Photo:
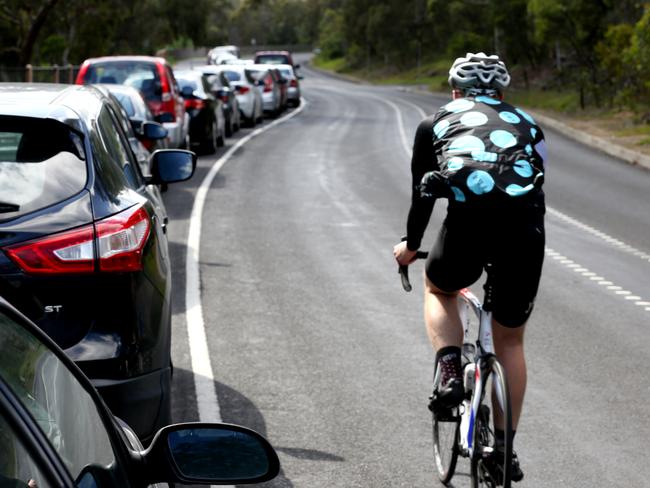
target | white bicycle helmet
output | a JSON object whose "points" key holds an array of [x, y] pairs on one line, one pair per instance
{"points": [[479, 71]]}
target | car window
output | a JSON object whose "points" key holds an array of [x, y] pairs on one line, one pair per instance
{"points": [[126, 102], [118, 147], [194, 82], [17, 466], [42, 162], [60, 405], [272, 59], [142, 75], [232, 75]]}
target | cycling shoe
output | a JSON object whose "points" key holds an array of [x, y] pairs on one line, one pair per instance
{"points": [[451, 395], [494, 463]]}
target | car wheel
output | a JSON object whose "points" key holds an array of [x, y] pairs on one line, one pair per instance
{"points": [[229, 126], [210, 145], [221, 139]]}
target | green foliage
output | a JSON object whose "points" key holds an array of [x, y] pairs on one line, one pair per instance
{"points": [[330, 35]]}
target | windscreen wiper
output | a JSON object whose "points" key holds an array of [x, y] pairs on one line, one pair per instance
{"points": [[8, 207]]}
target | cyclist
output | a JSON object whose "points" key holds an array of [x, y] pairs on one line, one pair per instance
{"points": [[488, 156]]}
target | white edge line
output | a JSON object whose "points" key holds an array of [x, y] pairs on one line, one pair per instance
{"points": [[206, 393]]}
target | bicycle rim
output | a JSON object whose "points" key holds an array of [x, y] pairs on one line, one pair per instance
{"points": [[445, 443], [488, 471]]}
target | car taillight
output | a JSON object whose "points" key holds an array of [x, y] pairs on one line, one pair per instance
{"points": [[67, 252], [194, 103], [224, 98], [268, 85], [118, 241], [243, 90], [293, 84]]}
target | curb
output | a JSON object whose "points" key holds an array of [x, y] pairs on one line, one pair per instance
{"points": [[603, 145], [619, 152]]}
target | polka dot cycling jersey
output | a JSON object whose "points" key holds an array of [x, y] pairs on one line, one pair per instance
{"points": [[483, 146]]}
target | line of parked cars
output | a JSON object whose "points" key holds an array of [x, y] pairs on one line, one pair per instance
{"points": [[84, 256]]}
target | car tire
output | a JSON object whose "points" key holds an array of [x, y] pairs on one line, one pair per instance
{"points": [[221, 139], [229, 130], [210, 145]]}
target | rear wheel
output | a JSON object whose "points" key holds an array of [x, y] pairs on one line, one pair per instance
{"points": [[445, 443], [490, 468]]}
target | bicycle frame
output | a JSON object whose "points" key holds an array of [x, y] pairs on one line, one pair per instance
{"points": [[484, 349]]}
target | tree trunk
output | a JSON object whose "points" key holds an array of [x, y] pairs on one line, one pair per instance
{"points": [[27, 49]]}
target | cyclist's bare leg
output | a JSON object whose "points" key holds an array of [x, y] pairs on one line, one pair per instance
{"points": [[441, 317], [509, 346]]}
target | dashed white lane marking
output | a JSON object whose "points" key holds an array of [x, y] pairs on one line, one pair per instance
{"points": [[608, 285], [601, 235], [550, 252], [206, 392]]}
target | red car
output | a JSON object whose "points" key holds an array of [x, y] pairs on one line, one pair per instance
{"points": [[275, 57], [154, 77]]}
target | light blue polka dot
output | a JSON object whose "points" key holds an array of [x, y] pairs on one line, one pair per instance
{"points": [[488, 100], [509, 117], [454, 164], [523, 168], [458, 194], [466, 144], [460, 105], [525, 115], [485, 156], [529, 149], [440, 129], [480, 182], [533, 132], [516, 190], [503, 138], [473, 119]]}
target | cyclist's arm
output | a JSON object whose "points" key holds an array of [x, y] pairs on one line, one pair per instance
{"points": [[424, 160]]}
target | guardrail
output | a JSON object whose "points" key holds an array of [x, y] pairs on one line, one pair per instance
{"points": [[43, 74]]}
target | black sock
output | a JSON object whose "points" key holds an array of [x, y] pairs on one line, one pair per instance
{"points": [[448, 360], [500, 438]]}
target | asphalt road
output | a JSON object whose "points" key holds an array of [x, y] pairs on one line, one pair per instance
{"points": [[314, 344]]}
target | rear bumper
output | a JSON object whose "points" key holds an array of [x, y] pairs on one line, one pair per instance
{"points": [[143, 402]]}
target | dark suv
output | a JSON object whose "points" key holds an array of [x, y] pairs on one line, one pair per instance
{"points": [[83, 249]]}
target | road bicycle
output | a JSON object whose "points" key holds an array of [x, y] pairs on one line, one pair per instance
{"points": [[465, 430]]}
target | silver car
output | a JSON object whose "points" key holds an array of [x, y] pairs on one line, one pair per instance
{"points": [[293, 86], [268, 88], [249, 98]]}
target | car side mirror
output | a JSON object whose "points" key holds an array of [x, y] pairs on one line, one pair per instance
{"points": [[296, 66], [187, 92], [171, 166], [152, 130], [209, 454]]}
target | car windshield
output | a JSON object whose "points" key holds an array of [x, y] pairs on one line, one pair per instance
{"points": [[126, 102], [42, 162], [272, 59], [138, 74], [287, 73], [190, 81], [232, 75]]}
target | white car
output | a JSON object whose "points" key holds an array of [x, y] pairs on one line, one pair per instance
{"points": [[268, 86], [293, 86], [249, 97]]}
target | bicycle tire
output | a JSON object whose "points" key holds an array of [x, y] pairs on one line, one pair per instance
{"points": [[487, 474], [446, 433]]}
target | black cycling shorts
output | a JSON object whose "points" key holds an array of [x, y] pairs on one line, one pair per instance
{"points": [[511, 239]]}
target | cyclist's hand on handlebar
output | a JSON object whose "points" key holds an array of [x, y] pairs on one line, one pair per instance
{"points": [[403, 254]]}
